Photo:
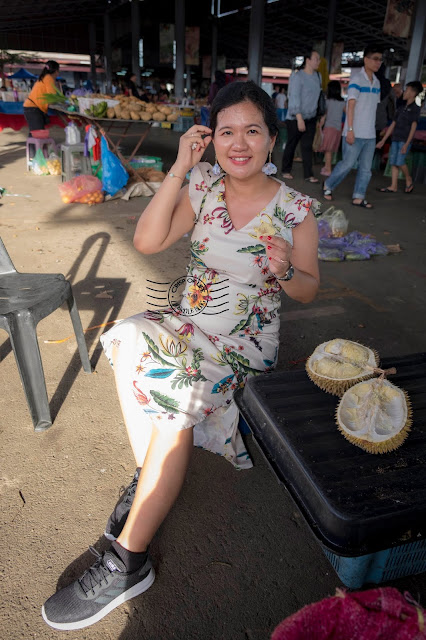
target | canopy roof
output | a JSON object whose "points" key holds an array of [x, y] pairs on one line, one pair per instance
{"points": [[23, 74], [291, 26]]}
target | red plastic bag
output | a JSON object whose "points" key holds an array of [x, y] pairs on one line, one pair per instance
{"points": [[84, 189]]}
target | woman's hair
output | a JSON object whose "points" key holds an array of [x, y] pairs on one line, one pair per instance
{"points": [[238, 92], [50, 67], [334, 90], [307, 57]]}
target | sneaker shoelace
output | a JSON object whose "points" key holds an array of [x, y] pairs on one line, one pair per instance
{"points": [[94, 576]]}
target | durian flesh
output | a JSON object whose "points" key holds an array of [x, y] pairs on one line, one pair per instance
{"points": [[374, 415], [338, 364]]}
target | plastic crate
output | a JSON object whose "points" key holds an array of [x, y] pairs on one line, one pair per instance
{"points": [[183, 123], [398, 562], [147, 162]]}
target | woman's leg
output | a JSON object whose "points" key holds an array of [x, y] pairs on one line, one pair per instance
{"points": [[293, 137], [159, 485], [306, 147], [327, 161]]}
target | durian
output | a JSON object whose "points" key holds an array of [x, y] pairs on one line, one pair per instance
{"points": [[338, 364], [375, 415]]}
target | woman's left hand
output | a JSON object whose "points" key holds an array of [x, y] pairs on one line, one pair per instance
{"points": [[278, 252]]}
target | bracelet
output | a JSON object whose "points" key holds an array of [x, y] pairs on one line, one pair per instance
{"points": [[173, 175]]}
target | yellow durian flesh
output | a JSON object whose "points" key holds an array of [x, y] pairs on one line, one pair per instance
{"points": [[338, 364], [265, 229], [374, 415]]}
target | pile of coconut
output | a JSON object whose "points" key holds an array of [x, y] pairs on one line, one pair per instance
{"points": [[131, 108]]}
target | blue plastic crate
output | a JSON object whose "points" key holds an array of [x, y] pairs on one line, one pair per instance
{"points": [[183, 123], [397, 562]]}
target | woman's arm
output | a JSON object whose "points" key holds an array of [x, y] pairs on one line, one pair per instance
{"points": [[303, 256], [169, 215]]}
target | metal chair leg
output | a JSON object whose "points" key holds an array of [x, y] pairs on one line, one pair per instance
{"points": [[79, 333], [24, 342]]}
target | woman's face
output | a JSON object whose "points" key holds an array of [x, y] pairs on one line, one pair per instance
{"points": [[242, 140]]}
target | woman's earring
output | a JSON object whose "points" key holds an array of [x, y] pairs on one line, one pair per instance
{"points": [[216, 169], [269, 168]]}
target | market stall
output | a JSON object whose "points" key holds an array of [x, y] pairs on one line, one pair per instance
{"points": [[12, 117]]}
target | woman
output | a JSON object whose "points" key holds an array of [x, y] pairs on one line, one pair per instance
{"points": [[332, 123], [281, 104], [176, 370], [303, 93], [35, 108], [131, 85]]}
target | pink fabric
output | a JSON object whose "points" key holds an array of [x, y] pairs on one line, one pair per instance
{"points": [[331, 139], [377, 614]]}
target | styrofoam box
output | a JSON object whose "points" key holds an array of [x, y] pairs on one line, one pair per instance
{"points": [[85, 103]]}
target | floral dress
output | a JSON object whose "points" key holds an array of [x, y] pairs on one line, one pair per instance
{"points": [[182, 364]]}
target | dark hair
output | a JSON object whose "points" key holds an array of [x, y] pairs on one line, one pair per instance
{"points": [[416, 85], [334, 90], [308, 56], [372, 48], [249, 91], [50, 67]]}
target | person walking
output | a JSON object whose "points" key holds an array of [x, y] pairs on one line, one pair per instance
{"points": [[332, 122], [281, 104], [303, 93], [402, 131], [359, 132], [35, 107], [177, 369]]}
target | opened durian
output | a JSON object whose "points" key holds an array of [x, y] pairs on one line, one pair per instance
{"points": [[338, 364], [375, 415]]}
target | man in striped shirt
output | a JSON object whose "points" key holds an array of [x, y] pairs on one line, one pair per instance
{"points": [[359, 132]]}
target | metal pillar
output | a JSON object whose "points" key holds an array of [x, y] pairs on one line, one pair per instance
{"points": [[214, 45], [188, 79], [255, 53], [107, 52], [92, 48], [180, 47], [417, 46], [332, 6], [136, 34]]}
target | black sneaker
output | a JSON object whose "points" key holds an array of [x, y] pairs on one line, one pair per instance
{"points": [[118, 517], [101, 589]]}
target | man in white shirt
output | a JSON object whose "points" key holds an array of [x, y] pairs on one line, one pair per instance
{"points": [[359, 133]]}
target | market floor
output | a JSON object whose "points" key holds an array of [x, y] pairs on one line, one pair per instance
{"points": [[234, 557]]}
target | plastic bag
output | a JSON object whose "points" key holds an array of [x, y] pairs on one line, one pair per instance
{"points": [[39, 164], [114, 175], [54, 165], [72, 134], [336, 220], [83, 189]]}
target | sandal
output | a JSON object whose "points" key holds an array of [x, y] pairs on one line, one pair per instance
{"points": [[364, 204], [327, 193], [312, 180], [386, 190], [287, 176], [409, 188]]}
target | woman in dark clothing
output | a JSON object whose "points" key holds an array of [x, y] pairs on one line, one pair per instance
{"points": [[131, 85]]}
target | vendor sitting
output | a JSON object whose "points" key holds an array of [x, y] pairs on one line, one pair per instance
{"points": [[35, 107]]}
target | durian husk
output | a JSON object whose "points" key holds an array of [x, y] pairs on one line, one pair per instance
{"points": [[369, 405], [357, 363]]}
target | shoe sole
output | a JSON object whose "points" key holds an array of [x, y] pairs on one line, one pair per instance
{"points": [[109, 536], [134, 591]]}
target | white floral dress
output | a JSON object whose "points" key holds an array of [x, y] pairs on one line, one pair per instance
{"points": [[182, 364]]}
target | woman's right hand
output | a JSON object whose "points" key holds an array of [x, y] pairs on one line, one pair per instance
{"points": [[191, 148]]}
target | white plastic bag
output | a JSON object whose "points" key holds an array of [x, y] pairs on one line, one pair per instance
{"points": [[336, 220]]}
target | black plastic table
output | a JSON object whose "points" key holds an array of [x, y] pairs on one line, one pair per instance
{"points": [[355, 502]]}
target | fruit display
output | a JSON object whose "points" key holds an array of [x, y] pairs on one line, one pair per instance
{"points": [[337, 365], [131, 108], [375, 415], [96, 197], [99, 110]]}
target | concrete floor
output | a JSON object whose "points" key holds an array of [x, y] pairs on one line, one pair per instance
{"points": [[234, 557]]}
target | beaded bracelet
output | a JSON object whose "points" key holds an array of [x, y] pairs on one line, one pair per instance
{"points": [[173, 175]]}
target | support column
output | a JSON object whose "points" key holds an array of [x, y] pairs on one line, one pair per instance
{"points": [[180, 47], [188, 79], [255, 53], [107, 52], [332, 6], [214, 44], [92, 50], [136, 34], [417, 46]]}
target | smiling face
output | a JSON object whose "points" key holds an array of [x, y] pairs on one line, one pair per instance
{"points": [[242, 141]]}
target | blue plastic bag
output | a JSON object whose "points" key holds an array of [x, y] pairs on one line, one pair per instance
{"points": [[114, 175]]}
